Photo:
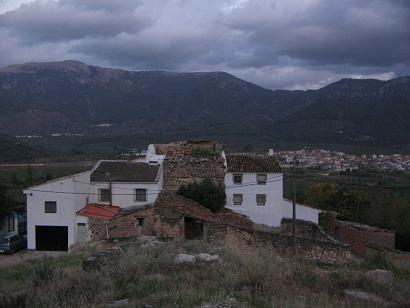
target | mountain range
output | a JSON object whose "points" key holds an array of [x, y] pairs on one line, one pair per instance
{"points": [[70, 96]]}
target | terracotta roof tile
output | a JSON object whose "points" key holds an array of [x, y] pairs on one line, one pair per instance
{"points": [[252, 163], [100, 211]]}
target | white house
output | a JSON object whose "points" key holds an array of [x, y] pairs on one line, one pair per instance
{"points": [[58, 210], [254, 187]]}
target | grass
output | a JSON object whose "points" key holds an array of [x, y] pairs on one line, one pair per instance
{"points": [[147, 275]]}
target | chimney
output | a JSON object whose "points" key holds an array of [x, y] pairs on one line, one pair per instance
{"points": [[270, 152]]}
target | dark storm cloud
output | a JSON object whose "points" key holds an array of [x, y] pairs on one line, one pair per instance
{"points": [[275, 43]]}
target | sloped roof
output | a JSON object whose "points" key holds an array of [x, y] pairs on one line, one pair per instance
{"points": [[100, 211], [189, 208], [125, 171], [252, 163]]}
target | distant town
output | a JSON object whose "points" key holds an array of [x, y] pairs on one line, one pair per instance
{"points": [[332, 161]]}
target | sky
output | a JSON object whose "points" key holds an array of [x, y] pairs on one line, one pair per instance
{"points": [[286, 44]]}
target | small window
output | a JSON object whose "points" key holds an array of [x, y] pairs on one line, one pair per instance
{"points": [[50, 207], [104, 194], [140, 222], [140, 194], [260, 199], [237, 199], [261, 178], [237, 178]]}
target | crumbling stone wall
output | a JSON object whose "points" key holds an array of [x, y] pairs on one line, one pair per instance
{"points": [[304, 228], [184, 164], [312, 249]]}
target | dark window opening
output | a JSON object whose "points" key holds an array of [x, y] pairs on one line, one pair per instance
{"points": [[237, 178], [140, 222], [194, 229], [104, 195], [50, 207], [140, 194]]}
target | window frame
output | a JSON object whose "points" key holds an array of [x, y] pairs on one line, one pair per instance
{"points": [[261, 182], [260, 203], [49, 203], [145, 195], [237, 175], [100, 195], [233, 199]]}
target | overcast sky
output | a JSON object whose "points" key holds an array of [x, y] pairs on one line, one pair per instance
{"points": [[292, 44]]}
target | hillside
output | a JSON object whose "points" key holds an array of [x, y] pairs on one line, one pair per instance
{"points": [[70, 96], [143, 273]]}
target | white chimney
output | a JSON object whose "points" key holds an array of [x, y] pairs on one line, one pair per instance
{"points": [[270, 152]]}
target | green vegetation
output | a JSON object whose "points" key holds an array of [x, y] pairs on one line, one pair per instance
{"points": [[205, 193], [378, 198], [204, 152], [147, 275]]}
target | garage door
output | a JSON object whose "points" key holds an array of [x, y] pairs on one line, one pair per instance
{"points": [[52, 238]]}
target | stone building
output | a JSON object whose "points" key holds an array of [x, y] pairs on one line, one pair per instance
{"points": [[171, 216]]}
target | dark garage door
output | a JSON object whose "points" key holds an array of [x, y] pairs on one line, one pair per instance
{"points": [[51, 238]]}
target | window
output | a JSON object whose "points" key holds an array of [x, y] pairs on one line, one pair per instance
{"points": [[50, 207], [237, 199], [140, 222], [261, 178], [104, 194], [140, 194], [237, 178], [260, 199]]}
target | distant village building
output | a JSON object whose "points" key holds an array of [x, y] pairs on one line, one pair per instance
{"points": [[120, 198]]}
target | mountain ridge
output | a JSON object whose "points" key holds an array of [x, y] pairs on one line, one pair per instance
{"points": [[72, 96]]}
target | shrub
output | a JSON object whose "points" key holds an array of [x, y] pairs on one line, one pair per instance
{"points": [[205, 193]]}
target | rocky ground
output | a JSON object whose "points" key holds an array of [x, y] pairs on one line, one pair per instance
{"points": [[150, 272]]}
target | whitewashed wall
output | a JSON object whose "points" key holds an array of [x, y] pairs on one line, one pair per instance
{"points": [[123, 194], [67, 205], [271, 213], [302, 212]]}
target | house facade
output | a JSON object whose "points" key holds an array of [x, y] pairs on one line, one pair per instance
{"points": [[58, 211], [254, 187]]}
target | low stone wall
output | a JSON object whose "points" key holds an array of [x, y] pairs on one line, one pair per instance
{"points": [[316, 250], [304, 228]]}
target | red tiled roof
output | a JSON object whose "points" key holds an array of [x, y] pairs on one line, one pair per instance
{"points": [[100, 211], [252, 163]]}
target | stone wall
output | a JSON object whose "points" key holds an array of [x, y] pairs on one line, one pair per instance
{"points": [[316, 250], [185, 164], [304, 228]]}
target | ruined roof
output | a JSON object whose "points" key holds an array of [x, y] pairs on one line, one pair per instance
{"points": [[100, 211], [189, 208], [252, 163], [125, 171]]}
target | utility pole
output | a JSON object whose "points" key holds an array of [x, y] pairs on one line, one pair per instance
{"points": [[108, 175], [294, 209]]}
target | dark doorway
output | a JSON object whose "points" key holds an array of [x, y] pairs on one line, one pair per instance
{"points": [[51, 238], [194, 229]]}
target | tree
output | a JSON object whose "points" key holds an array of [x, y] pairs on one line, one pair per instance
{"points": [[205, 193], [349, 204]]}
